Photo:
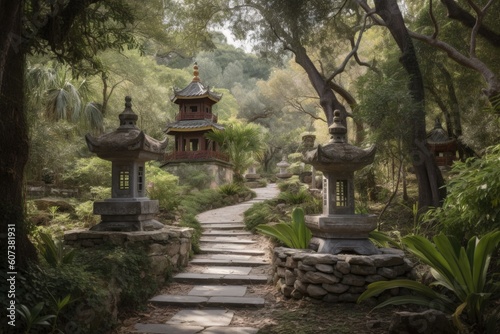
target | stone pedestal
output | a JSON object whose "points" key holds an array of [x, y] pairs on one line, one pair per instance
{"points": [[127, 215], [346, 233]]}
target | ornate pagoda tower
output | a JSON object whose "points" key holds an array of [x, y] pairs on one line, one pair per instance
{"points": [[195, 119]]}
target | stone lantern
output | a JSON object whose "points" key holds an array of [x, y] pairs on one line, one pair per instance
{"points": [[128, 148], [283, 166], [339, 229]]}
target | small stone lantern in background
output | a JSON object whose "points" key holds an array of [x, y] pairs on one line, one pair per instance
{"points": [[283, 166], [128, 148], [339, 229]]}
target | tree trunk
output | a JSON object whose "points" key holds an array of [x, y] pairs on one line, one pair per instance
{"points": [[428, 175], [327, 98], [13, 134]]}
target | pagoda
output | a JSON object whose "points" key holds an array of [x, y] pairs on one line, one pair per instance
{"points": [[442, 146], [194, 120]]}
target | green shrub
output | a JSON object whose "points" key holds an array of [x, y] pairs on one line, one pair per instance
{"points": [[261, 213], [85, 213], [190, 220], [472, 206], [163, 187], [461, 271], [230, 189], [88, 172], [99, 193], [129, 269], [54, 252], [293, 235], [193, 176]]}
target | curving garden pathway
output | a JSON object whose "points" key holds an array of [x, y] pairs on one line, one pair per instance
{"points": [[218, 283]]}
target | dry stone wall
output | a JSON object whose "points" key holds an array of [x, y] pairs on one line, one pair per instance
{"points": [[167, 248], [337, 278]]}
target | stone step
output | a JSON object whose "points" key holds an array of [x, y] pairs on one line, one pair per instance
{"points": [[236, 221], [187, 329], [212, 250], [227, 240], [235, 226], [225, 233], [221, 262], [197, 278], [208, 301]]}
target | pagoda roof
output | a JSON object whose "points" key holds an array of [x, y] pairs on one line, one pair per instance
{"points": [[195, 90], [438, 135], [192, 125]]}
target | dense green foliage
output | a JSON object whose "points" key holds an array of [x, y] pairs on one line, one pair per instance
{"points": [[472, 206], [461, 271], [294, 234]]}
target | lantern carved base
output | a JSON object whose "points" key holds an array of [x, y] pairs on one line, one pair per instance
{"points": [[127, 215], [336, 234]]}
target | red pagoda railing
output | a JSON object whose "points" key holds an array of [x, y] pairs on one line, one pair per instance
{"points": [[195, 115], [196, 155]]}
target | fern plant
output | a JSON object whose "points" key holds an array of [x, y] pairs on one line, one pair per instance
{"points": [[461, 271], [293, 235]]}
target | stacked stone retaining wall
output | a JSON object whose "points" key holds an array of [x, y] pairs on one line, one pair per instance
{"points": [[337, 278], [167, 248]]}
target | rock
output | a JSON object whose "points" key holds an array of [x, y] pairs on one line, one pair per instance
{"points": [[296, 294], [335, 288], [298, 285], [314, 259], [387, 272], [353, 280], [427, 322], [316, 291], [363, 270], [302, 266], [331, 298], [362, 260], [349, 297], [343, 267], [326, 268], [319, 278], [289, 277], [290, 262], [374, 278], [387, 260]]}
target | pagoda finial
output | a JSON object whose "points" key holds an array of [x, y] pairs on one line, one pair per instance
{"points": [[127, 118], [196, 74], [337, 129]]}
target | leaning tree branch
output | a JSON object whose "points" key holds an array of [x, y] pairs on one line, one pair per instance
{"points": [[353, 51], [455, 12]]}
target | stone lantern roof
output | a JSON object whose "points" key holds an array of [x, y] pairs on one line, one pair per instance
{"points": [[337, 154], [127, 142], [195, 90]]}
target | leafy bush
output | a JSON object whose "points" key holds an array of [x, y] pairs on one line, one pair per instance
{"points": [[127, 268], [190, 220], [85, 213], [88, 172], [162, 186], [472, 206], [100, 193], [461, 271], [193, 176], [293, 235], [261, 213], [230, 189]]}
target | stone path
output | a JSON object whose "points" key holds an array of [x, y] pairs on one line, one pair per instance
{"points": [[230, 262]]}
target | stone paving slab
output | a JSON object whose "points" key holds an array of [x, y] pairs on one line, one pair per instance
{"points": [[218, 290], [206, 250], [219, 221], [227, 270], [169, 329], [230, 240], [224, 246], [223, 226], [219, 262], [230, 330], [227, 257], [193, 278], [179, 300], [202, 318], [236, 301], [223, 233]]}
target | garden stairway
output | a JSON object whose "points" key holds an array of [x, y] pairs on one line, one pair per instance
{"points": [[219, 282]]}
